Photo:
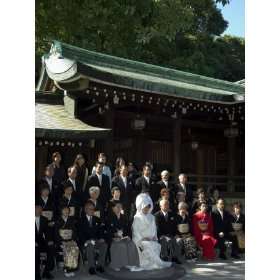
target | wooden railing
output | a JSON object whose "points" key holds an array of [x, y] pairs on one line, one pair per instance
{"points": [[226, 184]]}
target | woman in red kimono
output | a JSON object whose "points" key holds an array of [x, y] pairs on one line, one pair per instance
{"points": [[203, 231]]}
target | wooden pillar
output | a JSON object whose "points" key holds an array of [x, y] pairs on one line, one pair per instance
{"points": [[109, 141], [177, 135], [200, 166], [231, 133], [231, 151]]}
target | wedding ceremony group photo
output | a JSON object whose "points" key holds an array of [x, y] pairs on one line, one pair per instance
{"points": [[139, 140]]}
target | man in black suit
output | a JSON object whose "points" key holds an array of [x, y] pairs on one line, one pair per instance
{"points": [[223, 228], [166, 231], [102, 181], [92, 237], [43, 243], [184, 187], [145, 183], [48, 180], [126, 187], [165, 183], [71, 180]]}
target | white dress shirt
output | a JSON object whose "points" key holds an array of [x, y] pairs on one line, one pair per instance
{"points": [[106, 171], [99, 179], [73, 183], [124, 180], [49, 181], [37, 222], [221, 213], [147, 179]]}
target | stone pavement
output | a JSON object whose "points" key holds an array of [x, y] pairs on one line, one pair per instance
{"points": [[200, 270]]}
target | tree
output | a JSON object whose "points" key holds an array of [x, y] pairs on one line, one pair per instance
{"points": [[172, 33]]}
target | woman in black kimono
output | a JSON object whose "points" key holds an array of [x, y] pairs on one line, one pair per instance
{"points": [[123, 250], [59, 170], [66, 241], [184, 230]]}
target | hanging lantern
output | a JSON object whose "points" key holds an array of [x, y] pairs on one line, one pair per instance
{"points": [[105, 90], [40, 143], [46, 142], [94, 88], [62, 144], [87, 91], [184, 110], [93, 100], [80, 144], [97, 93], [106, 95], [51, 144], [116, 99], [106, 106], [57, 143], [69, 143], [73, 145], [174, 116], [194, 145]]}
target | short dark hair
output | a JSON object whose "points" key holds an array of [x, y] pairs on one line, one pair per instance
{"points": [[115, 189], [237, 204], [99, 163], [115, 203]]}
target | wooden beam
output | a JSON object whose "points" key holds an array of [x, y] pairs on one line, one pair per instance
{"points": [[177, 135]]}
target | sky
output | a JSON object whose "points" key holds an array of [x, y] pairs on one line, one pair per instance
{"points": [[234, 14]]}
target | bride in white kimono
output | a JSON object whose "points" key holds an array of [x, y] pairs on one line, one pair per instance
{"points": [[144, 235]]}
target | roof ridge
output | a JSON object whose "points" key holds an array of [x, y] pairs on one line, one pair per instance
{"points": [[90, 57]]}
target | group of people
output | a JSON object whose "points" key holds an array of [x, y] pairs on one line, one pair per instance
{"points": [[126, 219]]}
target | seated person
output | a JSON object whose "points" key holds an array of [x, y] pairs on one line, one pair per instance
{"points": [[238, 225], [66, 241], [116, 195], [91, 234], [184, 235], [47, 203], [43, 244], [180, 197], [93, 197], [123, 250], [164, 194], [166, 230], [202, 226], [223, 228], [201, 197], [70, 201]]}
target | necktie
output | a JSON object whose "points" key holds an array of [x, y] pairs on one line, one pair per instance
{"points": [[90, 221]]}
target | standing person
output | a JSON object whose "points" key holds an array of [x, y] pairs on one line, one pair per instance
{"points": [[144, 235], [166, 231], [132, 172], [66, 240], [183, 186], [102, 181], [106, 169], [82, 172], [202, 225], [92, 237], [119, 162], [222, 230], [184, 229], [214, 196], [165, 183], [127, 189], [72, 180], [238, 225], [59, 170], [49, 180], [123, 251], [164, 195], [146, 184], [70, 201], [201, 197], [43, 243]]}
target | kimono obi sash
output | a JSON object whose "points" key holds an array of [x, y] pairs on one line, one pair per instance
{"points": [[203, 225], [237, 226], [65, 234], [48, 215], [183, 228]]}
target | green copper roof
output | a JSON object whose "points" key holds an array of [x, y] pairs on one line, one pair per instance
{"points": [[144, 77], [53, 121]]}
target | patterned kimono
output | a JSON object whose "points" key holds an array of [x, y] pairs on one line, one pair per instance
{"points": [[203, 232], [184, 233]]}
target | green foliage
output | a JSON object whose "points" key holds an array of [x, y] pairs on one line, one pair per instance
{"points": [[172, 33]]}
